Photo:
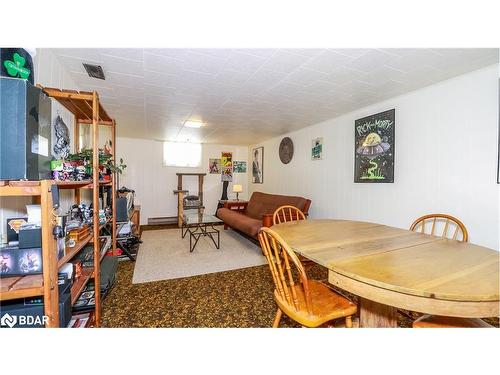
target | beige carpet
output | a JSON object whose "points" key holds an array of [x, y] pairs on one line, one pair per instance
{"points": [[164, 255]]}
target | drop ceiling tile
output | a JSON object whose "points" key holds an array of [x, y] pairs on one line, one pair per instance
{"points": [[162, 64], [136, 92], [154, 90], [263, 79], [258, 52], [345, 74], [175, 53], [246, 95], [197, 62], [353, 52], [221, 53], [131, 100], [370, 61], [92, 54], [244, 62], [327, 61], [124, 53], [232, 77], [120, 65], [123, 80], [305, 77], [284, 62], [305, 52]]}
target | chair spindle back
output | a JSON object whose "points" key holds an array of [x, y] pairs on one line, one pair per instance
{"points": [[285, 214], [281, 258], [419, 225]]}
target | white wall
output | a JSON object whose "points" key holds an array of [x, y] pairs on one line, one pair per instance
{"points": [[48, 72], [445, 160], [154, 183]]}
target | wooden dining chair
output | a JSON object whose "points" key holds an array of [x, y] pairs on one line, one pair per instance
{"points": [[420, 225], [285, 214], [309, 302], [457, 232]]}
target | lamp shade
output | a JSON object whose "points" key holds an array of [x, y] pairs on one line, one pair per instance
{"points": [[237, 188]]}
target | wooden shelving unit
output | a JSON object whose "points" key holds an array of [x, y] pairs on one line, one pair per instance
{"points": [[86, 109], [46, 283]]}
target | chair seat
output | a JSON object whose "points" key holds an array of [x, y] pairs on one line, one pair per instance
{"points": [[326, 305], [437, 321]]}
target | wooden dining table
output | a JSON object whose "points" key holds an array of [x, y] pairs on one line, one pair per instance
{"points": [[391, 268]]}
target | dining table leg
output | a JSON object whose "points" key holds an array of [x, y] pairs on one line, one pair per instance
{"points": [[376, 315]]}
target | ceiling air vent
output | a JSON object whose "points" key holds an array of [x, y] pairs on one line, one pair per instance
{"points": [[94, 71]]}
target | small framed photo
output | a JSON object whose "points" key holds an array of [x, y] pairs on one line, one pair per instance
{"points": [[317, 149], [258, 165]]}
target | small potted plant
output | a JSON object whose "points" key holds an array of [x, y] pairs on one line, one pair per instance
{"points": [[107, 165]]}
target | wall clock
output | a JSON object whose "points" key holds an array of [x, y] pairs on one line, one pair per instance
{"points": [[286, 150]]}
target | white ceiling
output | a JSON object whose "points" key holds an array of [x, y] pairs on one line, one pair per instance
{"points": [[247, 95]]}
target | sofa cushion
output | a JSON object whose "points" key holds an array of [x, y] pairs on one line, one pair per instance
{"points": [[262, 203], [240, 222]]}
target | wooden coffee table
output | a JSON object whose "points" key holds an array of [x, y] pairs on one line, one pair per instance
{"points": [[198, 225]]}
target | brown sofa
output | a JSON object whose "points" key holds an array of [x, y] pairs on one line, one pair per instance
{"points": [[249, 217]]}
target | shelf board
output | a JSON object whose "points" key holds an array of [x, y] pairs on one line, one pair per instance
{"points": [[78, 285], [84, 184], [73, 184], [19, 191], [32, 188], [101, 183], [73, 251], [21, 287]]}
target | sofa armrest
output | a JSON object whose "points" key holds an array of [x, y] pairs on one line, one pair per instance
{"points": [[306, 208], [240, 207], [267, 220]]}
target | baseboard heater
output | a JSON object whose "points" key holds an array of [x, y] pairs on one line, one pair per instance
{"points": [[162, 220]]}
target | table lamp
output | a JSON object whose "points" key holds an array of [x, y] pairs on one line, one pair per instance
{"points": [[237, 189]]}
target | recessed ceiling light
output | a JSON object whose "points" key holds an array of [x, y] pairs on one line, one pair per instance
{"points": [[194, 124]]}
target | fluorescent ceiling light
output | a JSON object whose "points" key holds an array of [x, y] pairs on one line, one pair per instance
{"points": [[193, 124]]}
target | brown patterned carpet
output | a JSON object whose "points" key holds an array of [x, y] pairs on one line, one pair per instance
{"points": [[238, 298]]}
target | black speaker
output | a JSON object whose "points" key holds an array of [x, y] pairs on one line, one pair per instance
{"points": [[25, 131]]}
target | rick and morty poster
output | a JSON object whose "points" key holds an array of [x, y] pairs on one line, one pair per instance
{"points": [[374, 148]]}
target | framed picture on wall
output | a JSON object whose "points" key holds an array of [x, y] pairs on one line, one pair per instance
{"points": [[239, 166], [258, 165], [374, 148], [214, 166], [317, 149], [226, 162]]}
